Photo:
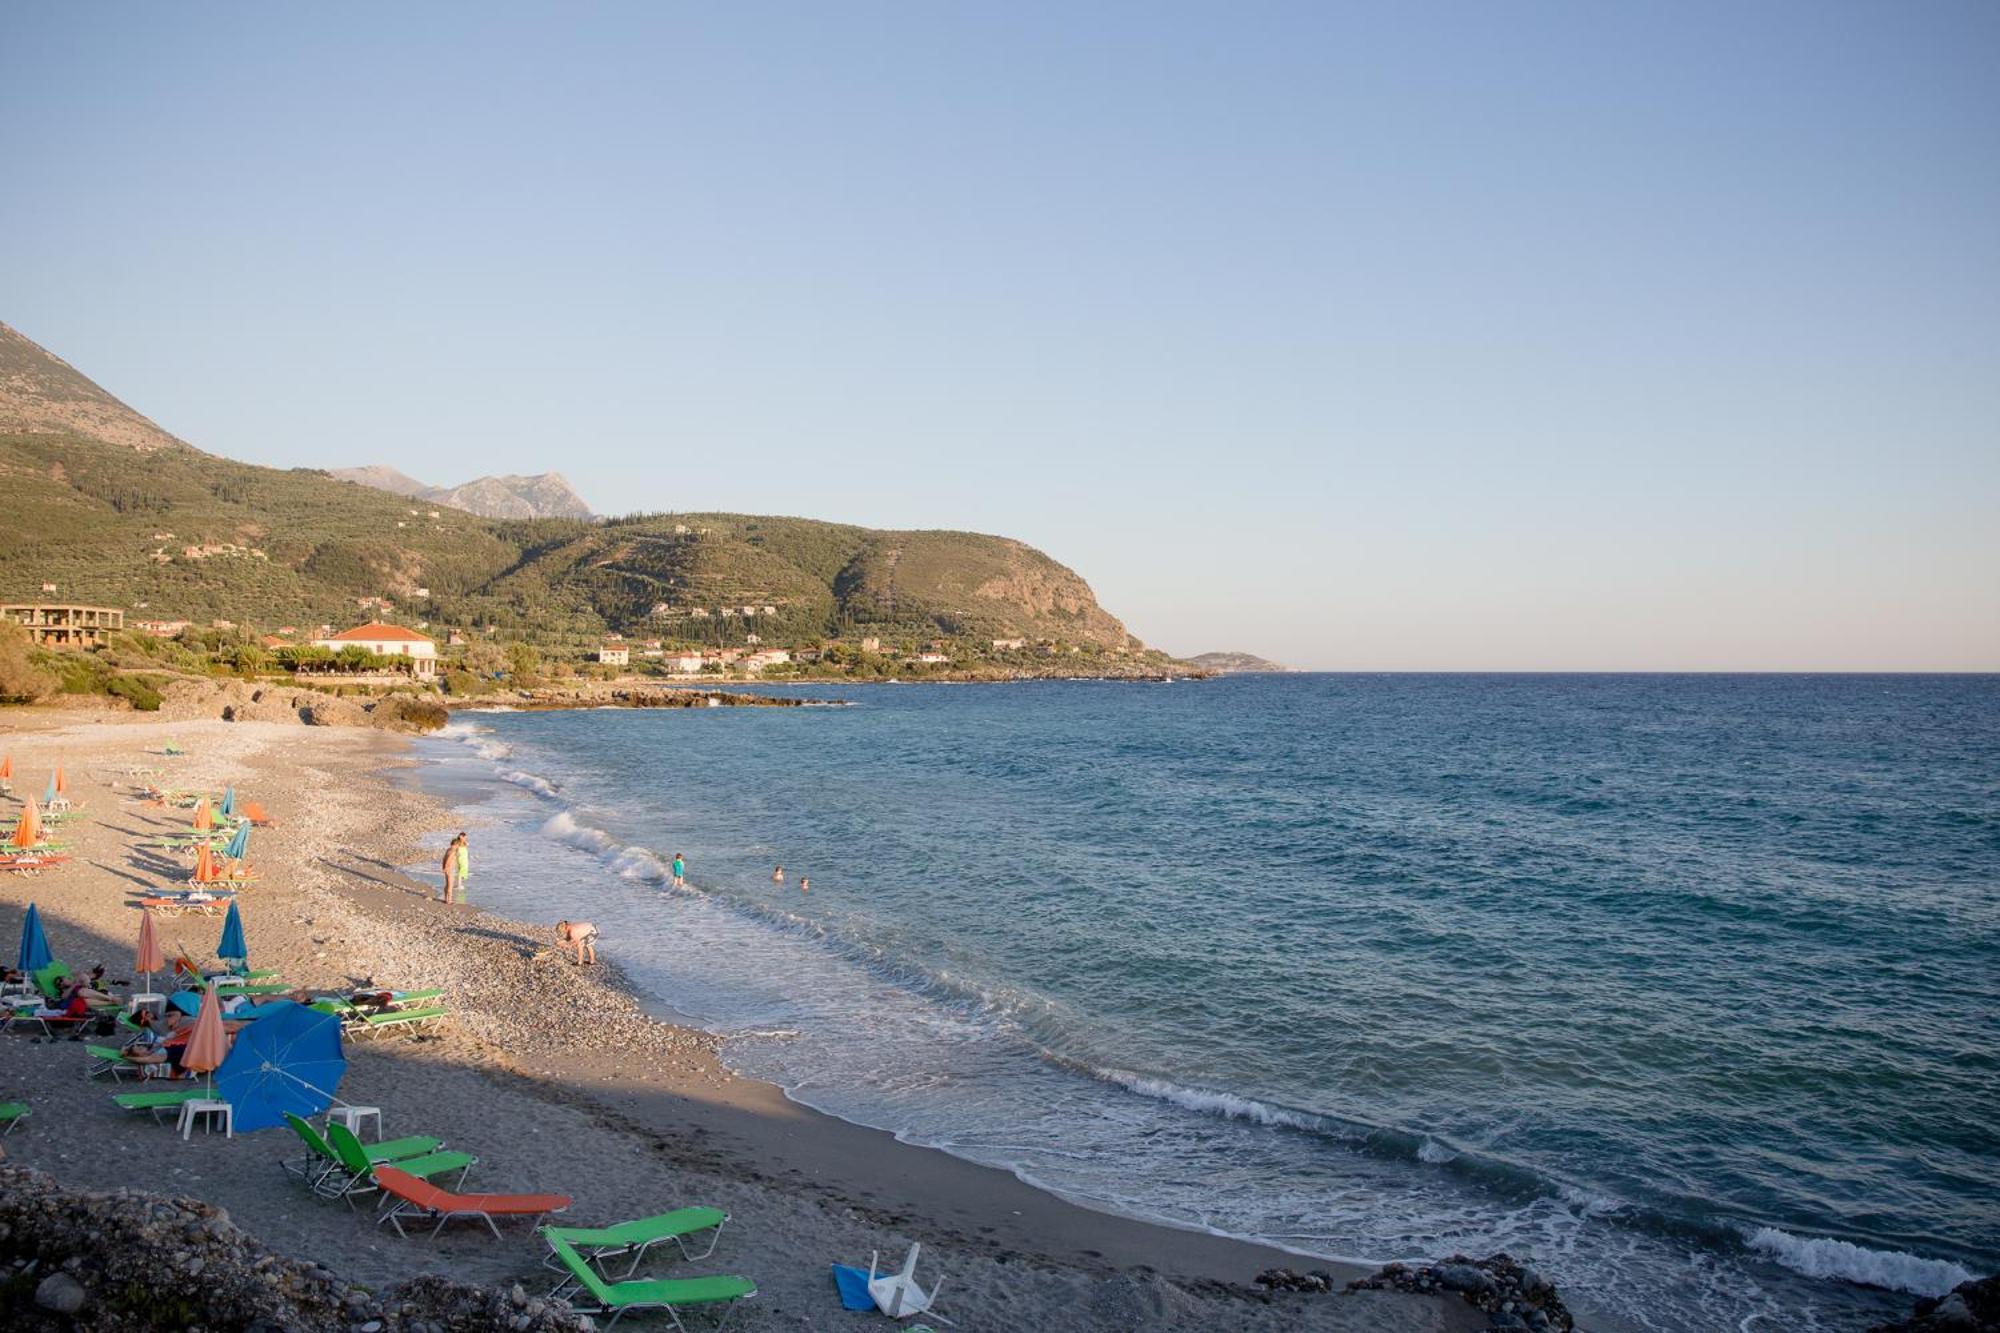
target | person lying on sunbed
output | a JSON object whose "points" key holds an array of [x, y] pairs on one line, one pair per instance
{"points": [[149, 1048], [72, 1009], [93, 986]]}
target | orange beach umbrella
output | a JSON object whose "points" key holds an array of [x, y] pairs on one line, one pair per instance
{"points": [[203, 820], [150, 958], [206, 871], [7, 767], [62, 783], [29, 831], [208, 1043]]}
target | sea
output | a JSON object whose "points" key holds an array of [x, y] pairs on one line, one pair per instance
{"points": [[1684, 988]]}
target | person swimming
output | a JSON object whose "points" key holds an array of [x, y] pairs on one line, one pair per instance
{"points": [[778, 875]]}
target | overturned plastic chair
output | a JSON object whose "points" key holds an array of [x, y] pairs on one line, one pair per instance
{"points": [[897, 1294]]}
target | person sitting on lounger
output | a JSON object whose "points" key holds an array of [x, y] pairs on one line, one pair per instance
{"points": [[92, 986], [149, 1048], [578, 935]]}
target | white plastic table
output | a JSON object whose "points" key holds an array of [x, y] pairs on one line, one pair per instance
{"points": [[352, 1116], [207, 1110], [146, 1000]]}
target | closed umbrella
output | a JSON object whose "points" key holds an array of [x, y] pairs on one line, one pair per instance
{"points": [[7, 767], [232, 945], [289, 1060], [205, 869], [49, 792], [208, 1044], [151, 958], [204, 822], [62, 783], [228, 810], [239, 843], [35, 953], [29, 831]]}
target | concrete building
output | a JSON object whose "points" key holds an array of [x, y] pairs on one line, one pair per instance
{"points": [[615, 654], [388, 641], [66, 626], [768, 657]]}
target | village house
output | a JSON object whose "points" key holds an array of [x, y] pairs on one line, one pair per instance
{"points": [[753, 638], [933, 658], [871, 644], [767, 657], [160, 629], [687, 664], [388, 641], [614, 654], [1008, 645]]}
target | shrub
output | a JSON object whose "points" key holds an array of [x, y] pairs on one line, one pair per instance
{"points": [[142, 692], [460, 684], [21, 680]]}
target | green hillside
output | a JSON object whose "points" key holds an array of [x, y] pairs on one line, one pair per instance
{"points": [[112, 511]]}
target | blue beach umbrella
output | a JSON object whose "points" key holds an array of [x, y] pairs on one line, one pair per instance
{"points": [[49, 792], [228, 810], [35, 953], [289, 1060], [232, 945], [239, 843]]}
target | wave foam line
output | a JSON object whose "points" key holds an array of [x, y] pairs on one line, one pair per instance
{"points": [[627, 862], [534, 782], [1226, 1105], [1824, 1257]]}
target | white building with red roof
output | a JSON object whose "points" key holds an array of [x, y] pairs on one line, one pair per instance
{"points": [[388, 641]]}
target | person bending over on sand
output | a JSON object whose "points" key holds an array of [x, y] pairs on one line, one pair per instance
{"points": [[578, 935]]}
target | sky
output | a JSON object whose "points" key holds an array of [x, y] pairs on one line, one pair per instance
{"points": [[1433, 336]]}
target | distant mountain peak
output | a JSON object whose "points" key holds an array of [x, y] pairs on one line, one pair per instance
{"points": [[42, 394], [546, 495]]}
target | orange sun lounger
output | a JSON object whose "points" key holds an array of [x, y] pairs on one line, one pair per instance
{"points": [[422, 1200]]}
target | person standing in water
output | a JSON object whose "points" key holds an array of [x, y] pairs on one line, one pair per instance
{"points": [[805, 885], [778, 875], [680, 871], [457, 865]]}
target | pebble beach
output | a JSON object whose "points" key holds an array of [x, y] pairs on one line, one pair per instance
{"points": [[554, 1075]]}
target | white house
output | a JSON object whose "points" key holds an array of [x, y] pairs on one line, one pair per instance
{"points": [[688, 664], [767, 657], [615, 654], [933, 658], [388, 641]]}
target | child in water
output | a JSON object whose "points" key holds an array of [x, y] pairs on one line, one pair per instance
{"points": [[680, 871], [778, 875]]}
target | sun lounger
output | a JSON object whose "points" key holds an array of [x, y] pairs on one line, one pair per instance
{"points": [[12, 1114], [157, 1102], [596, 1296], [109, 1060], [598, 1244], [331, 1178], [399, 1018], [421, 1201]]}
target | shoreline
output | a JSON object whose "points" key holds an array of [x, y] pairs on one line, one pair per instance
{"points": [[541, 1052]]}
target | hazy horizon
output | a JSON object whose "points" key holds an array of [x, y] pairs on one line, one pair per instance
{"points": [[1544, 338]]}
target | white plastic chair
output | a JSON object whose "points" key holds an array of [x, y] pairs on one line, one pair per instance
{"points": [[897, 1294]]}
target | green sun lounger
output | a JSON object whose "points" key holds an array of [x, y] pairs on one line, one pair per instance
{"points": [[109, 1060], [12, 1114], [157, 1102], [328, 1176], [400, 1018], [596, 1296], [598, 1244]]}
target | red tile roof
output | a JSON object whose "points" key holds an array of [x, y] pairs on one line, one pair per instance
{"points": [[377, 632]]}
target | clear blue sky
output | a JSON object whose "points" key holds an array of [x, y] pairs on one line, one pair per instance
{"points": [[1523, 335]]}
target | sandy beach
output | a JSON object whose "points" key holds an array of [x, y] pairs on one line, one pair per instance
{"points": [[553, 1075]]}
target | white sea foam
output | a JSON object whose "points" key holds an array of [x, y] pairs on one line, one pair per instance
{"points": [[534, 782], [1434, 1152], [1824, 1257], [1227, 1105], [563, 827]]}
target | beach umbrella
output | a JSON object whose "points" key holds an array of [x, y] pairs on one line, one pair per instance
{"points": [[228, 810], [290, 1059], [203, 820], [28, 832], [208, 1044], [239, 843], [62, 783], [150, 958], [35, 953], [205, 869], [7, 767], [49, 792], [232, 945], [254, 813]]}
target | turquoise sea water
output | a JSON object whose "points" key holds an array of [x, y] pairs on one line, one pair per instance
{"points": [[1685, 986]]}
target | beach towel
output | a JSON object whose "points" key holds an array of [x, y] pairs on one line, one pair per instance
{"points": [[853, 1284]]}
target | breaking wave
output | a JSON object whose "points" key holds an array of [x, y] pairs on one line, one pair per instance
{"points": [[1824, 1257]]}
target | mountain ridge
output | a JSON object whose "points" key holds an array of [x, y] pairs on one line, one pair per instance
{"points": [[111, 510], [544, 495]]}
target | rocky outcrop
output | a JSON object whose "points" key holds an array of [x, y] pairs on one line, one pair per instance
{"points": [[125, 1261], [1969, 1307], [1511, 1294], [252, 701]]}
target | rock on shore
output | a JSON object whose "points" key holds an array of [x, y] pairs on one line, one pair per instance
{"points": [[125, 1261], [1969, 1307], [1510, 1293]]}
